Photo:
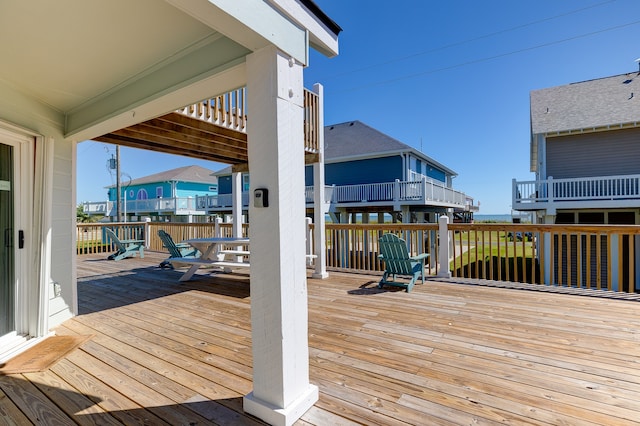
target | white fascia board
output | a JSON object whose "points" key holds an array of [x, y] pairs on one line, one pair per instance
{"points": [[112, 114], [432, 161], [321, 38], [254, 24]]}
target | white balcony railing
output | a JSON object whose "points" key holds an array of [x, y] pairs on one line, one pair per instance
{"points": [[599, 188], [221, 201], [229, 110], [410, 192], [176, 206], [397, 193]]}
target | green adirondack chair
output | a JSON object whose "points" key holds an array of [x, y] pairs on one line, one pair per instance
{"points": [[124, 248], [176, 250], [393, 250]]}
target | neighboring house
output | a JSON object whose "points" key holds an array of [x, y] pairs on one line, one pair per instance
{"points": [[122, 72], [585, 153], [164, 196], [371, 173]]}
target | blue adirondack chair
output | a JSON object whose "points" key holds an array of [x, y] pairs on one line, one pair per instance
{"points": [[176, 250], [393, 250], [124, 248]]}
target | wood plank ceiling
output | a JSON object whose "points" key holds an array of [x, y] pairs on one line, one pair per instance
{"points": [[179, 134]]}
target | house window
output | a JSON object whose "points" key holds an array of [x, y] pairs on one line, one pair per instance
{"points": [[245, 182], [142, 194], [158, 192]]}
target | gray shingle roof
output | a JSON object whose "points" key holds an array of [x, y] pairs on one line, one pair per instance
{"points": [[354, 138], [182, 174], [602, 102]]}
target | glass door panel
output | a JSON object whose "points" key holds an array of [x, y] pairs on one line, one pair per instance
{"points": [[7, 246]]}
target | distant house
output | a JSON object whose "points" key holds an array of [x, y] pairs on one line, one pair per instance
{"points": [[584, 153], [369, 172], [164, 196], [586, 159]]}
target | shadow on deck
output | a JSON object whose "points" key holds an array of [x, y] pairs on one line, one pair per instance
{"points": [[450, 352]]}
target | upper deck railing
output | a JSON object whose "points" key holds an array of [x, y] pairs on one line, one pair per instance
{"points": [[400, 192], [396, 193], [529, 194], [229, 110]]}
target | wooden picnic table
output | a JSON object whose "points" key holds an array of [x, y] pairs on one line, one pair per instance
{"points": [[215, 252]]}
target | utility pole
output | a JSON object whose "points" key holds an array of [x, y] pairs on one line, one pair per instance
{"points": [[118, 183]]}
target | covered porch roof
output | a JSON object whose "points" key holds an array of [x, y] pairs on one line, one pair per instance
{"points": [[106, 66]]}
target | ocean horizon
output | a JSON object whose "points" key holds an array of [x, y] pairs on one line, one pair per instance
{"points": [[492, 217]]}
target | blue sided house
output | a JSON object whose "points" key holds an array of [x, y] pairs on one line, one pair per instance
{"points": [[165, 196], [368, 172]]}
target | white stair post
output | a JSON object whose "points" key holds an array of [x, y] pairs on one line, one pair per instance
{"points": [[318, 193]]}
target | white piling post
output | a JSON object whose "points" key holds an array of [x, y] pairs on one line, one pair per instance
{"points": [[443, 249]]}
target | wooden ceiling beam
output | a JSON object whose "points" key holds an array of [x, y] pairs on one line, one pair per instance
{"points": [[145, 133], [209, 155], [203, 126], [178, 132]]}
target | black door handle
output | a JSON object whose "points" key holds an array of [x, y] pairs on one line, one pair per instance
{"points": [[8, 237], [20, 239]]}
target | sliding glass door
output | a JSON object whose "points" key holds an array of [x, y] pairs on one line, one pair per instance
{"points": [[7, 244]]}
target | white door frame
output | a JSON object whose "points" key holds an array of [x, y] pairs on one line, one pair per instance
{"points": [[27, 286]]}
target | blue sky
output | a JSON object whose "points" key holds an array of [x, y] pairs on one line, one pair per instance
{"points": [[451, 77]]}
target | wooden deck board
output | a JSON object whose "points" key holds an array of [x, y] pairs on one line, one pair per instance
{"points": [[448, 353]]}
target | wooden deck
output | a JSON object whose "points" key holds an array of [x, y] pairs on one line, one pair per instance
{"points": [[447, 353]]}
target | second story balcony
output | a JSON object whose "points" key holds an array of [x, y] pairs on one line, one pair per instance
{"points": [[213, 129], [589, 192], [392, 194], [163, 206]]}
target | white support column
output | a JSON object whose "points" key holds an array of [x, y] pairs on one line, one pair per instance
{"points": [[236, 203], [236, 208], [218, 229], [279, 312], [319, 237], [443, 250], [406, 214]]}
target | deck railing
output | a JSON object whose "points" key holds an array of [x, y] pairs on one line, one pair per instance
{"points": [[178, 205], [212, 202], [226, 110], [397, 193], [229, 110], [598, 257], [91, 237], [579, 189], [419, 192]]}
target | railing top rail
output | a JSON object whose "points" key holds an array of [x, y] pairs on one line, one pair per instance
{"points": [[382, 226], [578, 179], [554, 228]]}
